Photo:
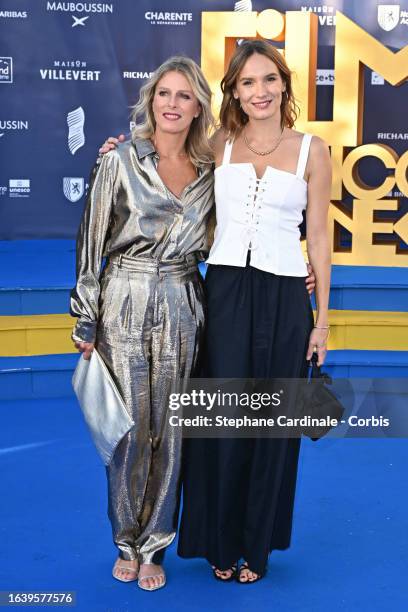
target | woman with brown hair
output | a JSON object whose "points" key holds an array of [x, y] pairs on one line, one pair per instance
{"points": [[239, 493]]}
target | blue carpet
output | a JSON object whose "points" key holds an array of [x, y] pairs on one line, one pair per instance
{"points": [[348, 552], [37, 276]]}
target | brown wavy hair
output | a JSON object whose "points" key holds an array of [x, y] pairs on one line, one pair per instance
{"points": [[232, 117]]}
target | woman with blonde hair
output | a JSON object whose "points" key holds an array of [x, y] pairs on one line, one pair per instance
{"points": [[146, 212], [239, 493]]}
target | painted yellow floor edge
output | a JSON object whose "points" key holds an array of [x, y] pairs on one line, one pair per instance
{"points": [[36, 335], [350, 329]]}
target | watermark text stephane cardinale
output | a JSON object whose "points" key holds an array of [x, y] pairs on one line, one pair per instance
{"points": [[278, 408]]}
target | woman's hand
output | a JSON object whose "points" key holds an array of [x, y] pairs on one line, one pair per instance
{"points": [[85, 348], [318, 344], [111, 143], [310, 280]]}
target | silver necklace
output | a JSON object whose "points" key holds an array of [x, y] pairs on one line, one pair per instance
{"points": [[263, 153]]}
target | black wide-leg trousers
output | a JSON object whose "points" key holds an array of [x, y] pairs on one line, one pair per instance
{"points": [[239, 493]]}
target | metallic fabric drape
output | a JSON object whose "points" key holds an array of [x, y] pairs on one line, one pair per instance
{"points": [[145, 314], [129, 210], [148, 333]]}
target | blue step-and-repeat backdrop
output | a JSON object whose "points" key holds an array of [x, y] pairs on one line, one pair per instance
{"points": [[69, 72]]}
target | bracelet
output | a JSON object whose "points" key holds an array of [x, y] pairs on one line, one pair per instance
{"points": [[322, 327]]}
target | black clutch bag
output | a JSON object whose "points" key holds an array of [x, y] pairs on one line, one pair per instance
{"points": [[319, 408]]}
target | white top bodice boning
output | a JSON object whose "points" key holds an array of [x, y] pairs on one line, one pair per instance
{"points": [[261, 215]]}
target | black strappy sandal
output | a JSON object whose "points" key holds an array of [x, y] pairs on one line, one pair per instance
{"points": [[243, 567], [232, 569]]}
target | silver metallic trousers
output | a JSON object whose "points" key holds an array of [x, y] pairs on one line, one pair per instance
{"points": [[149, 328]]}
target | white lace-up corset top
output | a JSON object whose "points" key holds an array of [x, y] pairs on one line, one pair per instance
{"points": [[261, 215]]}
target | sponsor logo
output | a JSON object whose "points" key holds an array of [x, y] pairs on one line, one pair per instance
{"points": [[76, 137], [325, 14], [79, 21], [165, 18], [137, 75], [12, 124], [376, 78], [324, 76], [3, 190], [390, 15], [19, 188], [73, 188], [69, 71], [318, 9], [392, 136], [13, 14], [6, 69], [80, 7], [243, 5]]}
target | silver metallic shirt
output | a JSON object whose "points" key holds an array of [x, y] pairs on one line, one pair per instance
{"points": [[130, 211]]}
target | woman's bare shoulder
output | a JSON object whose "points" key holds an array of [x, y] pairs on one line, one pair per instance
{"points": [[316, 142], [319, 149], [218, 140], [293, 137]]}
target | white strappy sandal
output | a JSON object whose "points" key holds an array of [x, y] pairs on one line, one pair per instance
{"points": [[151, 588], [132, 570]]}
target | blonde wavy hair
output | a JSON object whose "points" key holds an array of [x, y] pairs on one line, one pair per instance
{"points": [[232, 117], [197, 143]]}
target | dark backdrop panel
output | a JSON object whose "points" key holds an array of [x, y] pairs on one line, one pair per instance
{"points": [[94, 56]]}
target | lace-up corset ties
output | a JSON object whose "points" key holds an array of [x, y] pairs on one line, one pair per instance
{"points": [[261, 215]]}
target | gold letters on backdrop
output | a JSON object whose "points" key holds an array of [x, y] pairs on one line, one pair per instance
{"points": [[353, 48]]}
